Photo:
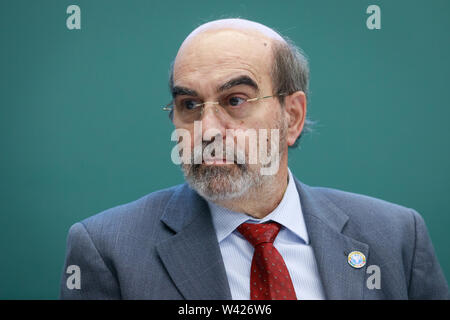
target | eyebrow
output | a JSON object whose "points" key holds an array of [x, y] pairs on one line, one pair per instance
{"points": [[240, 80], [183, 91], [246, 80]]}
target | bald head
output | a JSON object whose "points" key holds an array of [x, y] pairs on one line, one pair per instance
{"points": [[240, 25], [236, 44]]}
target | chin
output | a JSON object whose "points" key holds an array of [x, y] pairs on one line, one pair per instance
{"points": [[218, 182]]}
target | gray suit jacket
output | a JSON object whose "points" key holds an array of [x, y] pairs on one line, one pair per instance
{"points": [[164, 246]]}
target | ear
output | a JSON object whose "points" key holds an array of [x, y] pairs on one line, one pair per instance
{"points": [[295, 108]]}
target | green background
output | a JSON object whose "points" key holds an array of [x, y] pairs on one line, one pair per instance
{"points": [[81, 129]]}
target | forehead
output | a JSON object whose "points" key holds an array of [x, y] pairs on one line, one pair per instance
{"points": [[214, 56]]}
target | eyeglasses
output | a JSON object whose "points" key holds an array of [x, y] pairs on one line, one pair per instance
{"points": [[191, 109]]}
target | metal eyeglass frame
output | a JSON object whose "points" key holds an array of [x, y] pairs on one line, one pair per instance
{"points": [[170, 105]]}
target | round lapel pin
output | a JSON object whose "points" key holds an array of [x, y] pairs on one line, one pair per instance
{"points": [[356, 259]]}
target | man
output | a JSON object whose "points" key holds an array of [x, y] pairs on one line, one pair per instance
{"points": [[236, 231]]}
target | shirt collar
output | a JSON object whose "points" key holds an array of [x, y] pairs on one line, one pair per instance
{"points": [[288, 213]]}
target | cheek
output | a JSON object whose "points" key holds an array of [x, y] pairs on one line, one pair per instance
{"points": [[272, 121]]}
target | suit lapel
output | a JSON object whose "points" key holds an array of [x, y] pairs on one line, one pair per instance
{"points": [[325, 222], [192, 255]]}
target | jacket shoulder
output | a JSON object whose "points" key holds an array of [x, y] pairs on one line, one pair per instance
{"points": [[367, 209], [139, 217]]}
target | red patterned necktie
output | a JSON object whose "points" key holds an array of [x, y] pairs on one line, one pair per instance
{"points": [[269, 279]]}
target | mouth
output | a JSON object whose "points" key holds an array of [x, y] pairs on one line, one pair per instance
{"points": [[217, 162]]}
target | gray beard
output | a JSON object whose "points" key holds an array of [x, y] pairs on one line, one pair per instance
{"points": [[222, 182]]}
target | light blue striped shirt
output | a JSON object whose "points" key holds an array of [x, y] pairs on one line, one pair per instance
{"points": [[292, 242]]}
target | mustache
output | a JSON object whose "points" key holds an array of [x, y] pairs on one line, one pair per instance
{"points": [[212, 172], [196, 169], [228, 153]]}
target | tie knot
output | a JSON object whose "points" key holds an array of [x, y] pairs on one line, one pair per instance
{"points": [[257, 233]]}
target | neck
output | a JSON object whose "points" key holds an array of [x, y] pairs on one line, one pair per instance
{"points": [[259, 201]]}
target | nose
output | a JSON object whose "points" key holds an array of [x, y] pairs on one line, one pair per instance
{"points": [[213, 121]]}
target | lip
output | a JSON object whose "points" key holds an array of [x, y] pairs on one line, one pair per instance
{"points": [[217, 162]]}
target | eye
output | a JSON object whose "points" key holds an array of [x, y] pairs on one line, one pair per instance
{"points": [[189, 104], [235, 101]]}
